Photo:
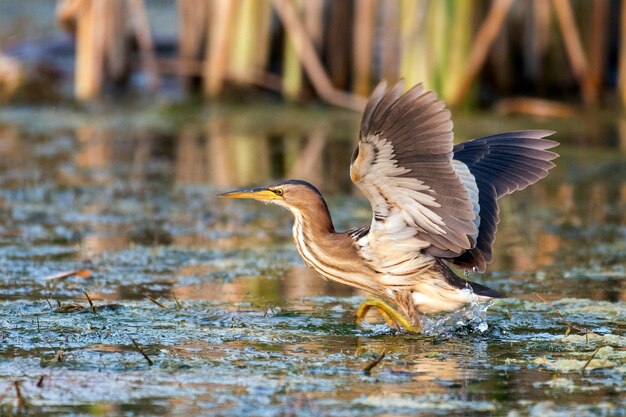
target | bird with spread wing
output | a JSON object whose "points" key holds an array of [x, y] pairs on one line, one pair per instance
{"points": [[434, 204]]}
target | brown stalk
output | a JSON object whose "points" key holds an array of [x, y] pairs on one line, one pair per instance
{"points": [[218, 46], [146, 357], [569, 325], [310, 61], [178, 304], [363, 39], [622, 55], [482, 44], [375, 362], [141, 28], [21, 401], [593, 355], [155, 301], [93, 307]]}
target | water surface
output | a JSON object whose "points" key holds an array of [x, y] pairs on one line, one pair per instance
{"points": [[127, 196]]}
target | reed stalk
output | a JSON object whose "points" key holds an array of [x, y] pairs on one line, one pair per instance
{"points": [[89, 51], [415, 59], [193, 18], [438, 37], [220, 33], [141, 29], [390, 40], [573, 45], [597, 44], [622, 56], [251, 39], [292, 70], [339, 43], [481, 45], [460, 28], [116, 52], [364, 31]]}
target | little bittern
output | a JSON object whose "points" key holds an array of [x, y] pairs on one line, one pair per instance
{"points": [[434, 204]]}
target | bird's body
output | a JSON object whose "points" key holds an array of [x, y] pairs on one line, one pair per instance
{"points": [[433, 204]]}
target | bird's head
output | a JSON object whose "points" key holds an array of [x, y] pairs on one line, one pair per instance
{"points": [[295, 195]]}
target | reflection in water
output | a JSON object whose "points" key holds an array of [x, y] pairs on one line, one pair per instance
{"points": [[138, 209], [149, 175]]}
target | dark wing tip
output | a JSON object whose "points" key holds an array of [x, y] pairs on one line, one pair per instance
{"points": [[484, 291]]}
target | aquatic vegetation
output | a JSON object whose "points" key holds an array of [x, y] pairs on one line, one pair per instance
{"points": [[234, 324]]}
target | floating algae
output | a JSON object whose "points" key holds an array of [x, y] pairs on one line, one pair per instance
{"points": [[251, 331]]}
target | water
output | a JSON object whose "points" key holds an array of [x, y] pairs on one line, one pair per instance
{"points": [[244, 327]]}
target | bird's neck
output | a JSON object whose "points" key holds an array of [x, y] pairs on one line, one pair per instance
{"points": [[314, 219], [313, 234]]}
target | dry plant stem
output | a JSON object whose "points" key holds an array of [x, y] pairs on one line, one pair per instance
{"points": [[597, 48], [93, 307], [220, 40], [573, 45], [146, 357], [141, 27], [155, 301], [569, 325], [66, 12], [622, 55], [364, 26], [310, 61], [193, 16], [374, 363], [21, 401], [593, 355], [482, 44], [178, 304]]}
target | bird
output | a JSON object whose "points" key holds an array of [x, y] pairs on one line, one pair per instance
{"points": [[434, 206]]}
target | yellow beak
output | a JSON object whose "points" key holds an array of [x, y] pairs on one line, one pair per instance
{"points": [[261, 193]]}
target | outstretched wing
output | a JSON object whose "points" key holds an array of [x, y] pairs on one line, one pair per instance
{"points": [[403, 164], [501, 164]]}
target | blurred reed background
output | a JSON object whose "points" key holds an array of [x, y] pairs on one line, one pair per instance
{"points": [[529, 56]]}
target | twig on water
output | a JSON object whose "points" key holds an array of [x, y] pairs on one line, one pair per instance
{"points": [[569, 325], [155, 301], [21, 401], [146, 357], [593, 355], [93, 307], [80, 273], [178, 304], [40, 381], [375, 362]]}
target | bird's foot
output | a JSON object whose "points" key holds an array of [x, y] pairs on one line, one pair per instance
{"points": [[390, 314]]}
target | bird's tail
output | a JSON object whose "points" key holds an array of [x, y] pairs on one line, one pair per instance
{"points": [[458, 282]]}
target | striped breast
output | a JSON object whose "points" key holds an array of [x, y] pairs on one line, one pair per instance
{"points": [[334, 257]]}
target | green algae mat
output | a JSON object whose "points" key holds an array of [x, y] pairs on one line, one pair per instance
{"points": [[128, 289]]}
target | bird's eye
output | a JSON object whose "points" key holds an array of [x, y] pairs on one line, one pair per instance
{"points": [[278, 192]]}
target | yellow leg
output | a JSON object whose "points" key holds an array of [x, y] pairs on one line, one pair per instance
{"points": [[390, 314]]}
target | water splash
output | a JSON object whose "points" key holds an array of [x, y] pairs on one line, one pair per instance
{"points": [[467, 273], [472, 319]]}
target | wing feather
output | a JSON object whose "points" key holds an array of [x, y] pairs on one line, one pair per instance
{"points": [[403, 164], [501, 164]]}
